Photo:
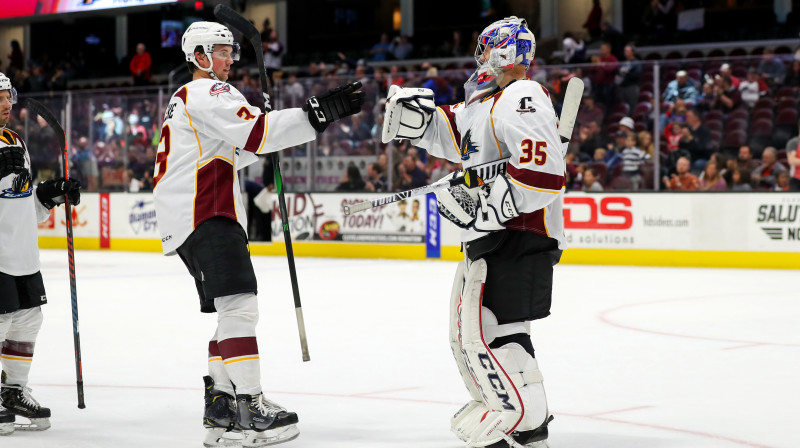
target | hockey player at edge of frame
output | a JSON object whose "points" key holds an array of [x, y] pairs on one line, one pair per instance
{"points": [[22, 206], [209, 133], [513, 232]]}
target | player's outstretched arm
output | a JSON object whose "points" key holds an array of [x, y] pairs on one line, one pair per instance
{"points": [[333, 105]]}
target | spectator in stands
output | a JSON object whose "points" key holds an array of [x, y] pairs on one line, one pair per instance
{"points": [[86, 162], [605, 73], [591, 137], [793, 76], [590, 182], [681, 87], [574, 49], [764, 176], [614, 37], [696, 139], [628, 75], [706, 97], [725, 70], [599, 155], [632, 160], [410, 175], [673, 113], [273, 55], [752, 88], [358, 130], [772, 70], [782, 181], [295, 93], [672, 135], [381, 50], [442, 91], [711, 180], [401, 47], [659, 19], [745, 161], [741, 180], [683, 179], [352, 180], [726, 97], [613, 151], [140, 66], [376, 179], [646, 143], [626, 124], [793, 156], [16, 59], [397, 77], [589, 112], [592, 23]]}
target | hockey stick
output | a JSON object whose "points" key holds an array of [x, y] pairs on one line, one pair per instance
{"points": [[39, 109], [473, 177], [236, 21], [487, 172]]}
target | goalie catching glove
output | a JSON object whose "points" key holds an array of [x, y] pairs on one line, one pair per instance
{"points": [[51, 192], [484, 209], [408, 113], [334, 105]]}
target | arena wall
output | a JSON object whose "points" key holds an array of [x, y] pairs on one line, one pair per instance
{"points": [[744, 230]]}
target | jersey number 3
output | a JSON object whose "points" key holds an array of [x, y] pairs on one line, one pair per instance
{"points": [[533, 151], [161, 157]]}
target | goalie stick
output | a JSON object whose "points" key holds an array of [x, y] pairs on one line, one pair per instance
{"points": [[487, 172], [236, 21], [39, 109]]}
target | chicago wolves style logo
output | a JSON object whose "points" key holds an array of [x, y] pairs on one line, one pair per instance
{"points": [[525, 105], [467, 147], [220, 87]]}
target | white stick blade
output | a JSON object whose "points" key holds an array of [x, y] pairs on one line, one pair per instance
{"points": [[569, 110]]}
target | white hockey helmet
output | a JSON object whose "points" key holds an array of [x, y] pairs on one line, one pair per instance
{"points": [[5, 84], [511, 42], [206, 35]]}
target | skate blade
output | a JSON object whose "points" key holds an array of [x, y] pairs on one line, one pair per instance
{"points": [[270, 437], [6, 428], [220, 437], [36, 424]]}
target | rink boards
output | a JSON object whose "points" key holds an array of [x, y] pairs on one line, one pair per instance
{"points": [[751, 230]]}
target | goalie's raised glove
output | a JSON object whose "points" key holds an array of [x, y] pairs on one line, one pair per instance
{"points": [[485, 209], [408, 113], [12, 160], [52, 192], [333, 105]]}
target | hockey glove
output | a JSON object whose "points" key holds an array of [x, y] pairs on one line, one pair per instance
{"points": [[408, 113], [12, 161], [495, 206], [458, 204], [334, 105], [52, 191]]}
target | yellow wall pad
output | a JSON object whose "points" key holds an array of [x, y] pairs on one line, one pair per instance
{"points": [[619, 257]]}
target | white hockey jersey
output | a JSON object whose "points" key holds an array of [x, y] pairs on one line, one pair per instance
{"points": [[518, 123], [19, 213], [210, 132]]}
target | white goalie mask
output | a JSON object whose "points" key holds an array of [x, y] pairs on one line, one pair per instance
{"points": [[5, 84], [206, 35]]}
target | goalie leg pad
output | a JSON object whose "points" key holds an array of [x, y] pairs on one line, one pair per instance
{"points": [[507, 378]]}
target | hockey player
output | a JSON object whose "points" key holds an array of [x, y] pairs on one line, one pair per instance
{"points": [[209, 133], [21, 288], [513, 230]]}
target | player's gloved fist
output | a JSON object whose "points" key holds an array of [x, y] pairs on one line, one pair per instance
{"points": [[52, 192], [12, 160], [495, 206], [333, 105]]}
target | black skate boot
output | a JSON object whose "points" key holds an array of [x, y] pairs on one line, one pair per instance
{"points": [[6, 422], [535, 438], [18, 400], [219, 417], [256, 413]]}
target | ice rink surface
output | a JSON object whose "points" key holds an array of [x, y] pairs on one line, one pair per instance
{"points": [[632, 357]]}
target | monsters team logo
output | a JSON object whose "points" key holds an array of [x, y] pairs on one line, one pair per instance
{"points": [[220, 87], [525, 105], [8, 193], [467, 147]]}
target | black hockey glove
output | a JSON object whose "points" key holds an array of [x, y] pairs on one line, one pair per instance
{"points": [[333, 105], [12, 161], [51, 192]]}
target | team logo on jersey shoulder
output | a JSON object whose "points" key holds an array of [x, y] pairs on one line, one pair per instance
{"points": [[467, 146], [220, 87], [8, 193], [525, 105]]}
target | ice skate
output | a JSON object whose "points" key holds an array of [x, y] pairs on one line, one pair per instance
{"points": [[6, 422], [219, 418], [256, 413], [535, 438], [18, 400]]}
